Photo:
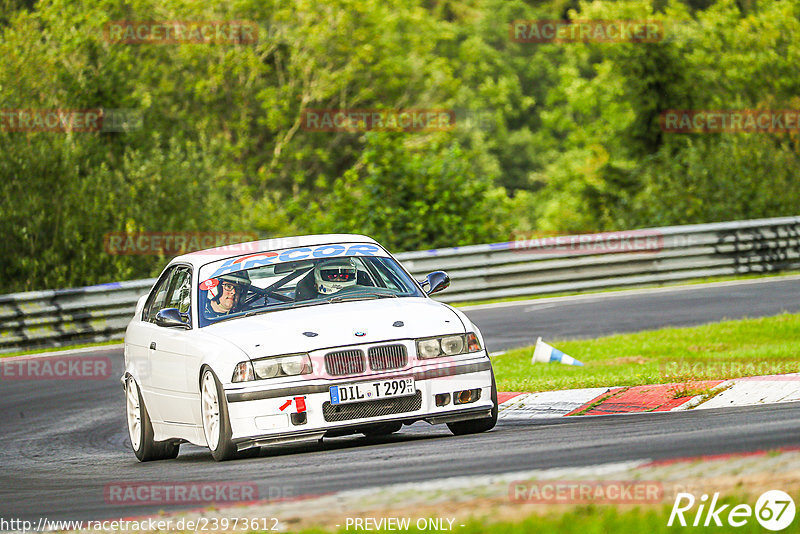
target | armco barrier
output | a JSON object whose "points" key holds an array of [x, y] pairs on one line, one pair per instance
{"points": [[497, 270], [534, 267], [68, 316]]}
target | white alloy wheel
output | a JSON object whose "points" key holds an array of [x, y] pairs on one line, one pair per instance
{"points": [[134, 412], [140, 428], [216, 423], [210, 403]]}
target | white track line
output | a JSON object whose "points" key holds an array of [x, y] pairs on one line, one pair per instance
{"points": [[65, 352]]}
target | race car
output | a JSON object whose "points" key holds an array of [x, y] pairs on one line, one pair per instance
{"points": [[300, 338]]}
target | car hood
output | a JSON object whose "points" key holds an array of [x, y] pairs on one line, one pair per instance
{"points": [[288, 331]]}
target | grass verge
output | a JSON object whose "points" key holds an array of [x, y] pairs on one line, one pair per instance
{"points": [[586, 519], [729, 349]]}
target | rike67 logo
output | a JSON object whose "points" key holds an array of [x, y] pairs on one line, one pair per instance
{"points": [[774, 511]]}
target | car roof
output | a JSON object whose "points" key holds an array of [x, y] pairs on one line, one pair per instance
{"points": [[201, 257]]}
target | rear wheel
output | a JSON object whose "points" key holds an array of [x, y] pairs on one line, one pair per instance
{"points": [[475, 426], [140, 429]]}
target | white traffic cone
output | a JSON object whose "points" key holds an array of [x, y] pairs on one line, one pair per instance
{"points": [[544, 353]]}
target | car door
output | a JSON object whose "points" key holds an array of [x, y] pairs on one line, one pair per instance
{"points": [[171, 400], [140, 338]]}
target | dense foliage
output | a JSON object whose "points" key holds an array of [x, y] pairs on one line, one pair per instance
{"points": [[548, 137]]}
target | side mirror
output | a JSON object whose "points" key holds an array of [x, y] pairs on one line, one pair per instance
{"points": [[436, 281], [171, 317]]}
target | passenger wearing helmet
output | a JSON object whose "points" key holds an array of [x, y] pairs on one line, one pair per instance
{"points": [[226, 294], [334, 275]]}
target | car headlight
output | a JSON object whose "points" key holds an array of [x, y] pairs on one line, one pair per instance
{"points": [[436, 347], [268, 368], [295, 365], [428, 348], [453, 345], [272, 367]]}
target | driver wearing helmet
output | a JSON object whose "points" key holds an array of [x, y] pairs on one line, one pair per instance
{"points": [[332, 276], [227, 295], [326, 278]]}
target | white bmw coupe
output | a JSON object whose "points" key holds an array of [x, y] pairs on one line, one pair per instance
{"points": [[295, 339]]}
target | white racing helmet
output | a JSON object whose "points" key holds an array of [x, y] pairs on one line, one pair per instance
{"points": [[334, 275]]}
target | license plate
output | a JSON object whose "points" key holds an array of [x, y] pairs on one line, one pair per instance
{"points": [[367, 391]]}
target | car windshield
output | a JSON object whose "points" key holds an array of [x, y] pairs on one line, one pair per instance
{"points": [[307, 282]]}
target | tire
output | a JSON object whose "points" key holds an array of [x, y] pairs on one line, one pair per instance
{"points": [[383, 429], [140, 428], [216, 422], [476, 426]]}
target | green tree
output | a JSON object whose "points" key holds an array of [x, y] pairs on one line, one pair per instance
{"points": [[412, 197]]}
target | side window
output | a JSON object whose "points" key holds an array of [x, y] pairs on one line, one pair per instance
{"points": [[155, 302], [180, 290]]}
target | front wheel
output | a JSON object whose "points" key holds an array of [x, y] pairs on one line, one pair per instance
{"points": [[216, 422], [140, 428], [476, 426]]}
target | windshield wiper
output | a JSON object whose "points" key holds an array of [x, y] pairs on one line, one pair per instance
{"points": [[255, 312], [226, 318], [287, 306], [362, 296], [303, 304]]}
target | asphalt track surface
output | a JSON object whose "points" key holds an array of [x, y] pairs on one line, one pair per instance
{"points": [[62, 442], [518, 324]]}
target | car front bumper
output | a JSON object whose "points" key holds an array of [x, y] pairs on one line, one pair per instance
{"points": [[261, 415]]}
